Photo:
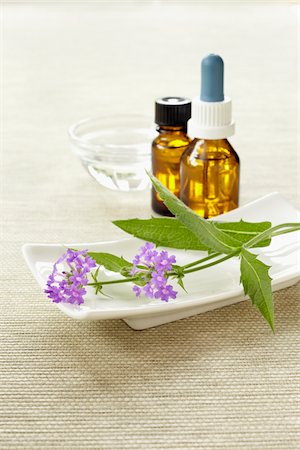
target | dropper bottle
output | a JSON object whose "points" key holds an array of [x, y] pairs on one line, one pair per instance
{"points": [[209, 168]]}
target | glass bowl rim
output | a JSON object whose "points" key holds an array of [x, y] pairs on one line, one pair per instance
{"points": [[82, 142]]}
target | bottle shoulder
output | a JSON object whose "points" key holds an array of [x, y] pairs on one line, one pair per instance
{"points": [[171, 140], [232, 150], [201, 149]]}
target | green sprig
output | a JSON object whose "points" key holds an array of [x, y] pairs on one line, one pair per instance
{"points": [[222, 241]]}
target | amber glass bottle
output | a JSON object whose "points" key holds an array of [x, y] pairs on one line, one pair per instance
{"points": [[171, 116], [209, 174], [209, 168]]}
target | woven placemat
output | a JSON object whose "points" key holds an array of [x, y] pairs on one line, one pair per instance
{"points": [[217, 380], [220, 380]]}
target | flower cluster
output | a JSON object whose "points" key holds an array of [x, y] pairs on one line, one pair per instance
{"points": [[157, 265], [66, 282]]}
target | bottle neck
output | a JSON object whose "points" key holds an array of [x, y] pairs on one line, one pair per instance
{"points": [[172, 129], [211, 141]]}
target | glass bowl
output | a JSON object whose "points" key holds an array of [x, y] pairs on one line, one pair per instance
{"points": [[115, 150]]}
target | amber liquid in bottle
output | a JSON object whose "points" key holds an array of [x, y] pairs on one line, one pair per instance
{"points": [[167, 150], [209, 173]]}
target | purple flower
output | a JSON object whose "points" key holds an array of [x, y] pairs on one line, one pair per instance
{"points": [[137, 290], [69, 276], [78, 278], [164, 261], [157, 265], [147, 247], [158, 278], [166, 292], [149, 290]]}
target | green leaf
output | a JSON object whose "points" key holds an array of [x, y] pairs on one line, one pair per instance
{"points": [[141, 279], [204, 230], [244, 231], [164, 232], [169, 232], [257, 284], [110, 262], [180, 282]]}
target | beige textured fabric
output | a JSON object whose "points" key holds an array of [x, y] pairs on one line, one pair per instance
{"points": [[220, 380]]}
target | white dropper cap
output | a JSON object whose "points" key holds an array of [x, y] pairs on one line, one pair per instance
{"points": [[211, 112]]}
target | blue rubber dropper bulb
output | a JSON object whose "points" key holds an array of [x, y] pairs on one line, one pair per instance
{"points": [[212, 79]]}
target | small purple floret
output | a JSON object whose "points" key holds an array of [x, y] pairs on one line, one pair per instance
{"points": [[165, 293], [137, 290], [66, 283], [157, 264]]}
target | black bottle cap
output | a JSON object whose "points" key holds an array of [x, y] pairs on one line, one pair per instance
{"points": [[172, 111]]}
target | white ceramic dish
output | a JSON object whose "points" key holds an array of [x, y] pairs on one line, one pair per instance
{"points": [[209, 289]]}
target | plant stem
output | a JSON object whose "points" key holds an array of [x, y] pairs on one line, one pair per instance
{"points": [[126, 280], [270, 231], [199, 261], [123, 280], [290, 230], [205, 266], [189, 268]]}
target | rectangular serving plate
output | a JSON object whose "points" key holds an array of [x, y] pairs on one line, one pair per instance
{"points": [[209, 289]]}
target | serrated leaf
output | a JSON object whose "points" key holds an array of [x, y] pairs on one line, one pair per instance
{"points": [[180, 282], [170, 232], [164, 232], [244, 231], [110, 262], [204, 230], [257, 284]]}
